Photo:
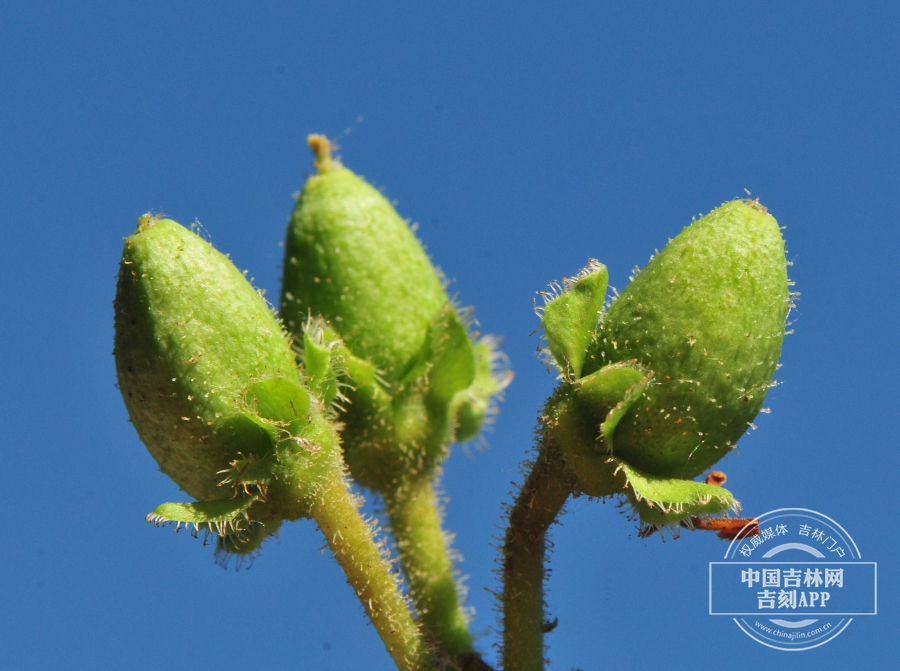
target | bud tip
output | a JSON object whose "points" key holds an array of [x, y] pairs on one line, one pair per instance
{"points": [[321, 147]]}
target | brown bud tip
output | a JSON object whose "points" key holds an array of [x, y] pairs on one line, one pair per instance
{"points": [[716, 478], [321, 147]]}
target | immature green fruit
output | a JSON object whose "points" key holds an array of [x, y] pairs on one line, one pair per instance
{"points": [[707, 316], [191, 334], [351, 258], [676, 369], [651, 396], [416, 378], [212, 386]]}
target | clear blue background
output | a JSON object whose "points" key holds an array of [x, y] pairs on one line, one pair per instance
{"points": [[524, 139]]}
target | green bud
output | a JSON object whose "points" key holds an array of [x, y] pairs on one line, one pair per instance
{"points": [[678, 366], [212, 386], [416, 375], [351, 258], [707, 316]]}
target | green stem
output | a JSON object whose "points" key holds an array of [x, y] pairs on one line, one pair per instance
{"points": [[416, 523], [351, 539], [538, 505]]}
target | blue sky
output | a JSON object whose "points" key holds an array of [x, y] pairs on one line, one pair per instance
{"points": [[524, 139]]}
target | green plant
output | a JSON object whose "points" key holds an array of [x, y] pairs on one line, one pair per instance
{"points": [[214, 391], [377, 372], [350, 258], [653, 394]]}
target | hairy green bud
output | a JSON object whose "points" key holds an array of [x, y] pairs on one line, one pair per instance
{"points": [[663, 384], [212, 386], [707, 316], [653, 392], [416, 376]]}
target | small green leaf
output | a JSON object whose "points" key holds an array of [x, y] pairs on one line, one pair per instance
{"points": [[316, 359], [222, 517], [452, 358], [606, 394], [663, 501], [281, 401], [570, 318], [471, 406]]}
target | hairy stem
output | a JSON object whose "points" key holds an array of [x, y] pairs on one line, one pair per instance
{"points": [[351, 539], [416, 524], [539, 503]]}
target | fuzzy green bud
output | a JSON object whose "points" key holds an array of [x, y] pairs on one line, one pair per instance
{"points": [[707, 317], [211, 382], [414, 377], [212, 386], [677, 367], [350, 258], [191, 334]]}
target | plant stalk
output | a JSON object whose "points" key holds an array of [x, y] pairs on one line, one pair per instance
{"points": [[415, 520], [539, 503], [351, 539]]}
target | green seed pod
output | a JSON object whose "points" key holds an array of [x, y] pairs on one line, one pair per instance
{"points": [[212, 386], [676, 369], [214, 391], [707, 316], [416, 378], [350, 258], [652, 395], [191, 333]]}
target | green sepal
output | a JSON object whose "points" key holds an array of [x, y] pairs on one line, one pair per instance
{"points": [[317, 360], [362, 377], [224, 516], [570, 318], [308, 451], [663, 501], [471, 406], [360, 371], [246, 434], [247, 472], [446, 357], [452, 357], [281, 401], [607, 394], [244, 542]]}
